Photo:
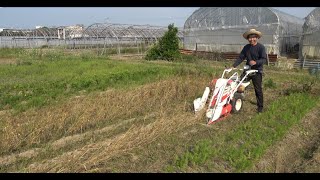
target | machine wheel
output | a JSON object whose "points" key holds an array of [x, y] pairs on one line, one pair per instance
{"points": [[237, 103]]}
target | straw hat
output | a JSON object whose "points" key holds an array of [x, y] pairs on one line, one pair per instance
{"points": [[252, 31]]}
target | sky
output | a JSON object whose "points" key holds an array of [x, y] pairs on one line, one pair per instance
{"points": [[29, 17]]}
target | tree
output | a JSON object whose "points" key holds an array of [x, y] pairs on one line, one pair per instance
{"points": [[167, 47]]}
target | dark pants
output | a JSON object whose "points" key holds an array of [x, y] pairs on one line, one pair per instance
{"points": [[257, 84]]}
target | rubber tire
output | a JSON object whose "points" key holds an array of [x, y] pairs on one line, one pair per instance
{"points": [[237, 97]]}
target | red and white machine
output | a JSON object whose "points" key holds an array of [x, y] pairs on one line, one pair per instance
{"points": [[226, 96]]}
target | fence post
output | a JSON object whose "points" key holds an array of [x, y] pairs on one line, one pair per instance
{"points": [[119, 49], [304, 60]]}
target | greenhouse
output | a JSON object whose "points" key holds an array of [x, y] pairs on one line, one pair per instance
{"points": [[310, 41], [220, 29], [27, 37], [97, 35], [124, 34]]}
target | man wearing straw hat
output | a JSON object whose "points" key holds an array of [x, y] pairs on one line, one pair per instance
{"points": [[255, 54]]}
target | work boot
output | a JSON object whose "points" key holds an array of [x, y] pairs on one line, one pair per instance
{"points": [[260, 109]]}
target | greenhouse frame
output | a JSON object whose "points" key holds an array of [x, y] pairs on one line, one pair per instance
{"points": [[220, 29], [310, 40], [97, 35]]}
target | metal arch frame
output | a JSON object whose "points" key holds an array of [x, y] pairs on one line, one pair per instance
{"points": [[142, 33], [147, 30], [158, 31], [111, 32], [44, 32], [117, 29], [123, 30], [136, 32], [107, 29], [95, 30]]}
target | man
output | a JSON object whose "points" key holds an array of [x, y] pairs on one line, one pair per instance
{"points": [[255, 54]]}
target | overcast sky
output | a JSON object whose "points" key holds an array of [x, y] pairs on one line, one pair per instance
{"points": [[27, 17]]}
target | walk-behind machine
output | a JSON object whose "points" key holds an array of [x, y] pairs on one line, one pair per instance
{"points": [[224, 95]]}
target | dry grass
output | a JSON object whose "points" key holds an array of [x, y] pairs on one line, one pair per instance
{"points": [[12, 61], [61, 125], [90, 156], [312, 165], [7, 160], [60, 143], [63, 143], [80, 114]]}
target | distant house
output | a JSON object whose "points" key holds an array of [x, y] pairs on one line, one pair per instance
{"points": [[4, 29], [71, 32], [38, 27]]}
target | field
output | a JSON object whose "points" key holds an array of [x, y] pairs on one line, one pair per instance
{"points": [[80, 111]]}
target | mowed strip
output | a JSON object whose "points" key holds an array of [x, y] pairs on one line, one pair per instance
{"points": [[97, 110]]}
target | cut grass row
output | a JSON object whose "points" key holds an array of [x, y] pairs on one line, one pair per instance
{"points": [[244, 145]]}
